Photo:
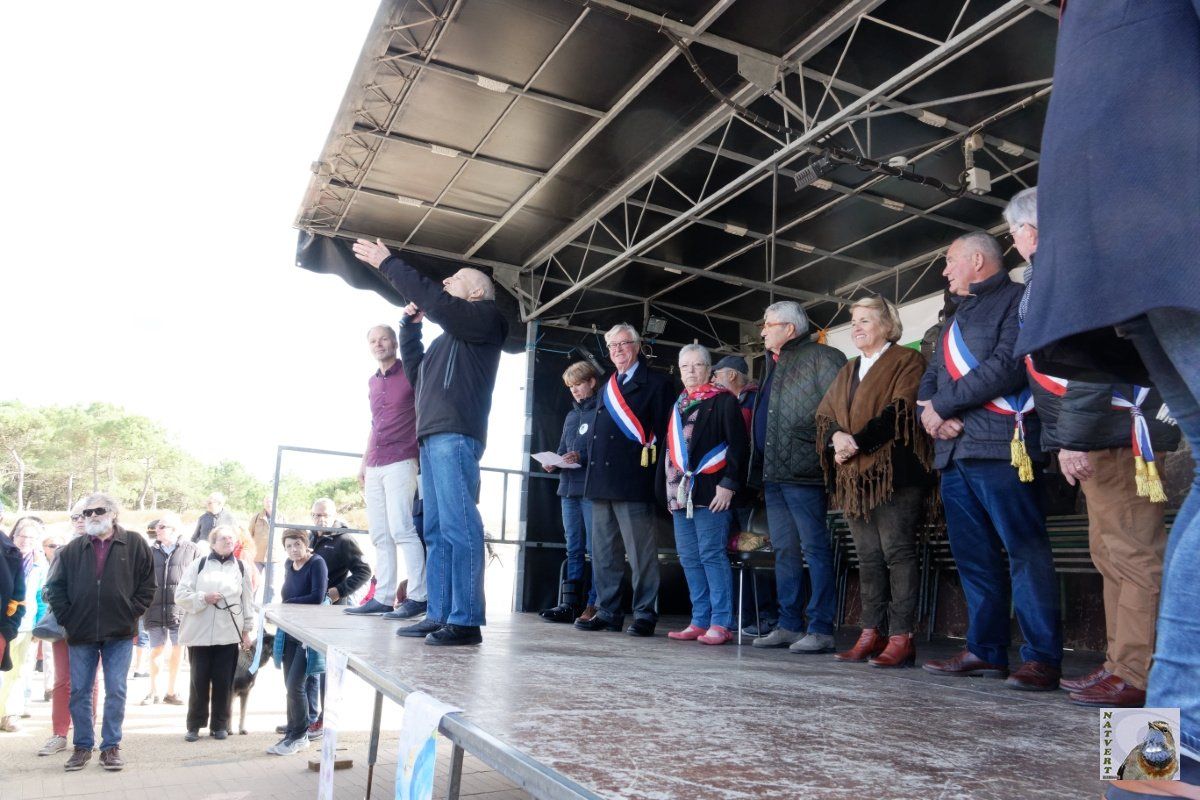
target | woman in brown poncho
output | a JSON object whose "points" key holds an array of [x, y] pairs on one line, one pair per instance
{"points": [[876, 457]]}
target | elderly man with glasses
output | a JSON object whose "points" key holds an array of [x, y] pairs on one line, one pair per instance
{"points": [[783, 436], [630, 435], [172, 555], [99, 587]]}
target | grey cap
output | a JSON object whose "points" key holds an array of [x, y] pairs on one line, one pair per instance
{"points": [[735, 363]]}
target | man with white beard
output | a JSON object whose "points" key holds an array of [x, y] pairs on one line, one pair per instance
{"points": [[101, 584]]}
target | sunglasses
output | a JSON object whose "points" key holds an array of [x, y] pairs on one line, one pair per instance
{"points": [[94, 512]]}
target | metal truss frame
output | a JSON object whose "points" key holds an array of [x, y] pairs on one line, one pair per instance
{"points": [[840, 107], [845, 115]]}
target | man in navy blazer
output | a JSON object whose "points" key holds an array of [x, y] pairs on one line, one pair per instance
{"points": [[630, 435]]}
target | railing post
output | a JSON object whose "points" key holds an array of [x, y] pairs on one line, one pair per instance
{"points": [[531, 336]]}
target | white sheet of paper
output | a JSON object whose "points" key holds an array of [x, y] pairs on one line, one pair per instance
{"points": [[418, 746], [548, 459], [335, 673]]}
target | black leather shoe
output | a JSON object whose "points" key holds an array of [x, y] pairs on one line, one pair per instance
{"points": [[420, 630], [560, 613], [598, 623], [455, 635], [219, 734], [192, 736], [641, 627]]}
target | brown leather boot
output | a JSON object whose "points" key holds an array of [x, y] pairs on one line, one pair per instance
{"points": [[901, 651], [870, 643]]}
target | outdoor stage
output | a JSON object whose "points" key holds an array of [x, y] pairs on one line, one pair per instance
{"points": [[565, 713]]}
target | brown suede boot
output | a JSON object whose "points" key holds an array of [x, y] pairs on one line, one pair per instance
{"points": [[901, 651], [870, 643]]}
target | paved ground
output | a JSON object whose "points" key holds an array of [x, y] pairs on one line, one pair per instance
{"points": [[161, 765]]}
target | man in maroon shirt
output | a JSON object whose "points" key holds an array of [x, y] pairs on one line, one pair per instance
{"points": [[389, 477]]}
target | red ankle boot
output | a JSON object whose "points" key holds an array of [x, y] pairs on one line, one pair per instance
{"points": [[901, 651], [870, 643]]}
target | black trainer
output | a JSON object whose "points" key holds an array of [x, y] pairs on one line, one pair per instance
{"points": [[422, 628], [453, 635], [598, 623]]}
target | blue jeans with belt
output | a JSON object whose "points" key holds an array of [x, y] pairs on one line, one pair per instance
{"points": [[1169, 344], [453, 528], [988, 507]]}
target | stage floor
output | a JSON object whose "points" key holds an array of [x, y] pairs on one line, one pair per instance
{"points": [[658, 719]]}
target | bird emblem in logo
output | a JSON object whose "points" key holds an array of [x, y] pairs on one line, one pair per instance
{"points": [[1155, 759]]}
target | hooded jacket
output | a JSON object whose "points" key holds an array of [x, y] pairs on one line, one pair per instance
{"points": [[94, 610]]}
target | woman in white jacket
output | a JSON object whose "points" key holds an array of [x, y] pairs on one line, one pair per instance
{"points": [[216, 596]]}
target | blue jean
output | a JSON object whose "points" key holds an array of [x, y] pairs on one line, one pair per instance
{"points": [[453, 528], [701, 543], [1170, 346], [295, 663], [987, 507], [115, 655], [577, 526], [796, 515], [312, 689]]}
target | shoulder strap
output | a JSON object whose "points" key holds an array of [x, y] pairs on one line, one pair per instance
{"points": [[241, 566]]}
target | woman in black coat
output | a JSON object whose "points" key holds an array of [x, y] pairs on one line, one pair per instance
{"points": [[706, 454]]}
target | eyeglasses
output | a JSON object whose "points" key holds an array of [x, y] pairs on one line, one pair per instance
{"points": [[161, 527], [619, 345], [95, 512], [49, 546], [766, 325], [76, 517], [320, 516]]}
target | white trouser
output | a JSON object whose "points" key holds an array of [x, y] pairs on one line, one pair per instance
{"points": [[390, 490]]}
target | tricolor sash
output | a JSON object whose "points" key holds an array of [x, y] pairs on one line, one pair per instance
{"points": [[713, 461], [1149, 484], [627, 422], [1053, 385], [959, 362]]}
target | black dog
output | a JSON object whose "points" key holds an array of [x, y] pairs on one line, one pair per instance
{"points": [[243, 680]]}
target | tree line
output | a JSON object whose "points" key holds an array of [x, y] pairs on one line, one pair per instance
{"points": [[53, 455]]}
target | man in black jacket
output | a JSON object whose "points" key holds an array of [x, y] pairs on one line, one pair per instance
{"points": [[347, 569], [100, 585], [975, 401], [453, 380], [1092, 427], [630, 436]]}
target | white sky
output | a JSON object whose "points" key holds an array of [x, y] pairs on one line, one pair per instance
{"points": [[157, 154]]}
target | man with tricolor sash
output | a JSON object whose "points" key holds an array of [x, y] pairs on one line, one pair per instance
{"points": [[630, 437], [978, 408], [1107, 437]]}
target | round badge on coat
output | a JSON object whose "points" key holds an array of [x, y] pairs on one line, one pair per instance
{"points": [[583, 429]]}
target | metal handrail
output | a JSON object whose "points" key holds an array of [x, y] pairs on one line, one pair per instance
{"points": [[505, 472]]}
